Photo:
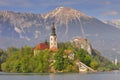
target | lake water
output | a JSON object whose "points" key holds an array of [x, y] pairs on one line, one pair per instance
{"points": [[113, 75]]}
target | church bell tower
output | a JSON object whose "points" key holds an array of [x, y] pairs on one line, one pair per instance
{"points": [[53, 38]]}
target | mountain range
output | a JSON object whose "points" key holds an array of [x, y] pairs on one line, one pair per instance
{"points": [[115, 23], [19, 29]]}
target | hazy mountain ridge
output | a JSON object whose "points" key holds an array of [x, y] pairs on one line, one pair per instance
{"points": [[19, 29], [19, 22], [115, 23]]}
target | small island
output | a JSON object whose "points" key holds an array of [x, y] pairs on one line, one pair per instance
{"points": [[76, 55]]}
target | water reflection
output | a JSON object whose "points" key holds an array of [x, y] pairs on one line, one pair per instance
{"points": [[52, 76], [113, 75]]}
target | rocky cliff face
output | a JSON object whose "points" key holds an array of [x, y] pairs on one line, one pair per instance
{"points": [[82, 43], [19, 29]]}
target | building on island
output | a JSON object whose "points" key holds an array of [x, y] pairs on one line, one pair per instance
{"points": [[53, 43], [53, 39], [83, 67], [39, 47], [80, 43], [70, 54]]}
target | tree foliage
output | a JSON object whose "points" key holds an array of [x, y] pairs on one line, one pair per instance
{"points": [[3, 57], [22, 60]]}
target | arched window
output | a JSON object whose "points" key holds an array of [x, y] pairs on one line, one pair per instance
{"points": [[55, 38]]}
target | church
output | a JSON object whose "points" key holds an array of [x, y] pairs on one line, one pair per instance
{"points": [[52, 43], [53, 46], [53, 38]]}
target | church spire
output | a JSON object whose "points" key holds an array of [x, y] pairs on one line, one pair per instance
{"points": [[53, 30], [53, 38]]}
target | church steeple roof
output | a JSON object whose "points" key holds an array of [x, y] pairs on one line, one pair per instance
{"points": [[53, 30]]}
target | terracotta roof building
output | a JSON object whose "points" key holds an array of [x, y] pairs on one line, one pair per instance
{"points": [[53, 46], [39, 47]]}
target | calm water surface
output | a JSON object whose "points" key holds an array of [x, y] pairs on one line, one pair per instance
{"points": [[113, 75]]}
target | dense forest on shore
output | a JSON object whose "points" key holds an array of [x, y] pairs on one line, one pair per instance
{"points": [[23, 60]]}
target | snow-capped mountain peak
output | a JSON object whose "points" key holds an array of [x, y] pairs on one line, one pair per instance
{"points": [[64, 15]]}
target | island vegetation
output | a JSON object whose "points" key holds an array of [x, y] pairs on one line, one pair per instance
{"points": [[23, 60]]}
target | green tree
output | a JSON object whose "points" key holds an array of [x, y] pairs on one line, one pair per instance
{"points": [[3, 57], [80, 54], [94, 64], [87, 59], [59, 60], [10, 51]]}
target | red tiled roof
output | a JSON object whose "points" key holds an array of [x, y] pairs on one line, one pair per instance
{"points": [[41, 46], [68, 51], [54, 49]]}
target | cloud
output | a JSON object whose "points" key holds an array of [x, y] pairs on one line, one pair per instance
{"points": [[71, 2], [15, 3], [106, 2], [47, 3], [3, 3], [111, 13], [75, 2]]}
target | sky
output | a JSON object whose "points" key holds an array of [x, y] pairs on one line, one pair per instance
{"points": [[101, 9]]}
